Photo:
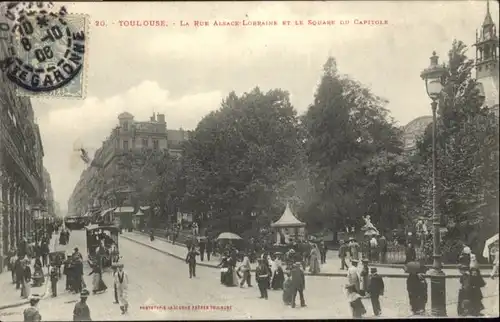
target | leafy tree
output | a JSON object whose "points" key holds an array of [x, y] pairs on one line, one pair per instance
{"points": [[347, 126], [241, 159], [467, 155]]}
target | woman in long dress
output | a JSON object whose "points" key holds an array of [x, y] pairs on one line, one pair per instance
{"points": [[97, 282], [278, 275], [121, 282], [314, 267]]}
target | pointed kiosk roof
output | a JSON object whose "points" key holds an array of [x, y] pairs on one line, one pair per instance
{"points": [[488, 21], [287, 220]]}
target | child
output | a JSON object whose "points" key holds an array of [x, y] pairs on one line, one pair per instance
{"points": [[287, 289], [357, 307], [54, 277], [375, 289]]}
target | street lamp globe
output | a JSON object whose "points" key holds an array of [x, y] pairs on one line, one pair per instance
{"points": [[433, 76]]}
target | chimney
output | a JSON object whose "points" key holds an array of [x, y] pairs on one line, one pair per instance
{"points": [[152, 118], [161, 118]]}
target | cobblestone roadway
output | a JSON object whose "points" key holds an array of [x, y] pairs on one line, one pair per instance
{"points": [[157, 279]]}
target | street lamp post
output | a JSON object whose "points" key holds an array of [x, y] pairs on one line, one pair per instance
{"points": [[433, 84]]}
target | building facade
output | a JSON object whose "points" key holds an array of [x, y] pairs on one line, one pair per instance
{"points": [[487, 51], [21, 166], [97, 186], [48, 194]]}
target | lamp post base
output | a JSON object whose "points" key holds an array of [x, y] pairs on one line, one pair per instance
{"points": [[438, 292]]}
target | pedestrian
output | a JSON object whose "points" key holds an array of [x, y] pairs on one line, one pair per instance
{"points": [[81, 312], [209, 248], [364, 276], [417, 292], [476, 295], [121, 280], [115, 271], [314, 258], [68, 272], [262, 278], [202, 248], [151, 235], [496, 261], [44, 248], [54, 277], [98, 284], [287, 289], [342, 255], [77, 274], [191, 261], [32, 314], [298, 284], [354, 248], [382, 243], [410, 253], [357, 307], [26, 279], [278, 275], [353, 277], [245, 270], [19, 272], [465, 257], [376, 289], [323, 249], [464, 293], [38, 275]]}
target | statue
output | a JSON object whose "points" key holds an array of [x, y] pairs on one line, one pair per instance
{"points": [[368, 224]]}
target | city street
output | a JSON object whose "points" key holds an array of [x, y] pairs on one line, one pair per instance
{"points": [[157, 279]]}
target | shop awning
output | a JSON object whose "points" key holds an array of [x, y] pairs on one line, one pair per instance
{"points": [[126, 209], [144, 208], [139, 213]]}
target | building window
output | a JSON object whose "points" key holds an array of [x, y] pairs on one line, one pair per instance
{"points": [[145, 143], [156, 144], [125, 126], [125, 145]]}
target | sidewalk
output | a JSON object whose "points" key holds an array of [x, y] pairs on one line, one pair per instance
{"points": [[11, 297], [331, 268]]}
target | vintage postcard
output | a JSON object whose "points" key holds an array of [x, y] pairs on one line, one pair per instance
{"points": [[249, 160]]}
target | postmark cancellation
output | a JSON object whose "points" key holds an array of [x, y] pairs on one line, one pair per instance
{"points": [[49, 55]]}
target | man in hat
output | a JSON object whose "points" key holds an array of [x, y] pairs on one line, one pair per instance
{"points": [[376, 289], [191, 261], [342, 255], [298, 284], [68, 271], [31, 314], [121, 282], [353, 275], [81, 312], [364, 275], [54, 277]]}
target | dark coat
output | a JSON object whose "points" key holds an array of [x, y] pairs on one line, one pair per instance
{"points": [[411, 254], [191, 256], [262, 274], [376, 285], [343, 251], [81, 312], [298, 278]]}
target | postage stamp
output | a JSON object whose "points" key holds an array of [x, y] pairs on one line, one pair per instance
{"points": [[47, 54]]}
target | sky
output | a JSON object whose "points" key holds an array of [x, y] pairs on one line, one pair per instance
{"points": [[185, 72]]}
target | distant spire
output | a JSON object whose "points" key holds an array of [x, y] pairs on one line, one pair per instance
{"points": [[488, 21]]}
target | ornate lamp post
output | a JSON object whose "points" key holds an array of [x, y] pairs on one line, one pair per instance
{"points": [[433, 84]]}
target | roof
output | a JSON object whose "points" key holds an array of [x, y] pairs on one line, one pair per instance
{"points": [[288, 219], [139, 213], [107, 211], [124, 209], [94, 227], [488, 21], [144, 207]]}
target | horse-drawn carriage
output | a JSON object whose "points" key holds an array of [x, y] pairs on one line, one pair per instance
{"points": [[102, 244]]}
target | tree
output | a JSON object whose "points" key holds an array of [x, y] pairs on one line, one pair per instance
{"points": [[467, 155], [346, 126], [241, 158]]}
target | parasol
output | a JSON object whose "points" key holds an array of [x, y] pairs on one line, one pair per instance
{"points": [[487, 244], [230, 236]]}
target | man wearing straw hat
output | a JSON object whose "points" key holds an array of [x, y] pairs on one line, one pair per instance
{"points": [[81, 312], [121, 282], [31, 314]]}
